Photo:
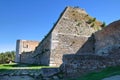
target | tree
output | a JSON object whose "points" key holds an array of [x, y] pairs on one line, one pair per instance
{"points": [[6, 57]]}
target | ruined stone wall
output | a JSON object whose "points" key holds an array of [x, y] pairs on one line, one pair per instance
{"points": [[67, 36], [71, 32], [78, 65], [88, 47], [66, 45], [107, 53], [24, 46], [42, 52], [27, 57], [107, 38], [28, 46]]}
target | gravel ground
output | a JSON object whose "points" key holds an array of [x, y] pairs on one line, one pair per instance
{"points": [[116, 77]]}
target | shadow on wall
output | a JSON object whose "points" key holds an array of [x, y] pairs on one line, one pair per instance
{"points": [[88, 47], [84, 61]]}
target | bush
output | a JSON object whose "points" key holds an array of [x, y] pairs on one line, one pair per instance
{"points": [[103, 25], [91, 20]]}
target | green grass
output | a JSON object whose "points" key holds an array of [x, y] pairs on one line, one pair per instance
{"points": [[110, 71], [13, 66]]}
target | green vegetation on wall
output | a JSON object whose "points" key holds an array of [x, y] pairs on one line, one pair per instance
{"points": [[103, 25], [91, 20]]}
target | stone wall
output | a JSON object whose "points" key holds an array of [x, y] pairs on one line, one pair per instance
{"points": [[107, 38], [42, 51], [78, 65], [27, 57], [106, 53], [88, 47], [70, 33], [66, 45]]}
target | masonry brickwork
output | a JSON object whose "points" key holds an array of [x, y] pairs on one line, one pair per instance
{"points": [[43, 51], [107, 38], [106, 54]]}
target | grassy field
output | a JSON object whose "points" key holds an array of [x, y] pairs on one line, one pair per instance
{"points": [[111, 71]]}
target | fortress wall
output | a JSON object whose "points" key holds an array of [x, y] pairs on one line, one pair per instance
{"points": [[27, 57], [107, 53], [107, 38], [66, 44], [78, 65], [70, 34], [88, 47], [43, 50]]}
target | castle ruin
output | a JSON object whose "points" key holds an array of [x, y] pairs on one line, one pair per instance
{"points": [[78, 43], [73, 28]]}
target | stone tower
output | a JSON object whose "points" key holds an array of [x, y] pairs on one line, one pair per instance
{"points": [[24, 46]]}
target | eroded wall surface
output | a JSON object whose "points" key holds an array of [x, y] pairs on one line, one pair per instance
{"points": [[107, 38], [78, 65]]}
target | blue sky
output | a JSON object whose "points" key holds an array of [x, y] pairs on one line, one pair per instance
{"points": [[32, 19]]}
